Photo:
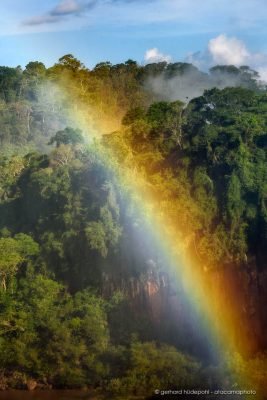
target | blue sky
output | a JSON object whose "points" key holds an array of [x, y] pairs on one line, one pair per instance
{"points": [[205, 32]]}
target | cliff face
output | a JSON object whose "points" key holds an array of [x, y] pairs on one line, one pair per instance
{"points": [[243, 291], [241, 294]]}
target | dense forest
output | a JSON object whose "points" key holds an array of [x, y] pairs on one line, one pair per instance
{"points": [[87, 295]]}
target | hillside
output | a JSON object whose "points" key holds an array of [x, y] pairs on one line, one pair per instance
{"points": [[107, 178]]}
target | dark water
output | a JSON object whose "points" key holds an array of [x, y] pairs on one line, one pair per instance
{"points": [[47, 395]]}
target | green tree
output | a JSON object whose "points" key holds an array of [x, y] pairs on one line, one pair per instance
{"points": [[67, 136]]}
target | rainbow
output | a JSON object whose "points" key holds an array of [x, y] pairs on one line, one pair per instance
{"points": [[218, 310]]}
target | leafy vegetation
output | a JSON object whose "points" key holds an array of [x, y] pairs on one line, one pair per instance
{"points": [[75, 257]]}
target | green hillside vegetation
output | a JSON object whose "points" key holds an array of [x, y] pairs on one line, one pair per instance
{"points": [[69, 244]]}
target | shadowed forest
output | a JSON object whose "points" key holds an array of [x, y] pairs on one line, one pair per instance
{"points": [[88, 298]]}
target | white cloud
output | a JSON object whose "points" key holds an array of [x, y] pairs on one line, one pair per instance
{"points": [[184, 16], [63, 9], [40, 20], [74, 8], [228, 50], [66, 7], [154, 56], [224, 50]]}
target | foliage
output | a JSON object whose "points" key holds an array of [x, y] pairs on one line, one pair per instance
{"points": [[152, 366], [75, 254], [47, 333]]}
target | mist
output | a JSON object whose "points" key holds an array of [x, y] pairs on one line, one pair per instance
{"points": [[182, 81]]}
